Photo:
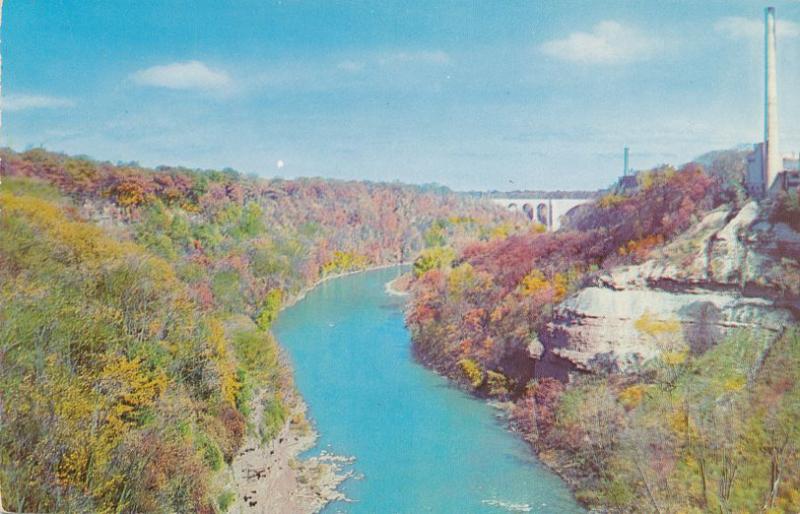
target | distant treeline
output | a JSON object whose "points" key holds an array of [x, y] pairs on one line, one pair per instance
{"points": [[554, 195]]}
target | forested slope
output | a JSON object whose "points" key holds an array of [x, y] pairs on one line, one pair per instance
{"points": [[478, 310], [126, 381], [701, 424]]}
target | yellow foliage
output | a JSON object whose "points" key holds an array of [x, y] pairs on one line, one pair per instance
{"points": [[538, 228], [789, 502], [130, 387], [345, 261], [471, 371], [649, 324], [560, 287], [73, 403], [76, 242], [190, 207], [691, 462], [646, 180], [498, 383], [678, 422], [230, 383], [131, 194], [459, 220], [460, 279], [501, 231], [96, 411], [610, 200], [439, 257], [534, 282], [734, 384], [632, 396], [673, 358], [72, 468], [497, 314], [651, 178]]}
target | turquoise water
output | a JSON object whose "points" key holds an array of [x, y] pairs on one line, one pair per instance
{"points": [[421, 445]]}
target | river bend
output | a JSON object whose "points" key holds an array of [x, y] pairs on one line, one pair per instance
{"points": [[420, 444]]}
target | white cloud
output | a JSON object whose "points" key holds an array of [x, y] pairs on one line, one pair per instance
{"points": [[609, 42], [25, 102], [183, 75], [753, 28], [423, 56]]}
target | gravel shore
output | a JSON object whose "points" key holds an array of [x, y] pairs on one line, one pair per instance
{"points": [[272, 479]]}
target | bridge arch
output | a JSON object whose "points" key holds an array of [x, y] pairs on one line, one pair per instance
{"points": [[528, 210], [543, 214]]}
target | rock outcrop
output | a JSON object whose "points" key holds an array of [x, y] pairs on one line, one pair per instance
{"points": [[733, 269]]}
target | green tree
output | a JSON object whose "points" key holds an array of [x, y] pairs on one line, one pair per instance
{"points": [[433, 258]]}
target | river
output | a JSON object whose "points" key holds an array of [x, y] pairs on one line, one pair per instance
{"points": [[420, 445]]}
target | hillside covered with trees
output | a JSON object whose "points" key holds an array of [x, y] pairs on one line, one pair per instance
{"points": [[129, 377], [697, 427]]}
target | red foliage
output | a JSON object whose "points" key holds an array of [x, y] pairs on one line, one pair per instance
{"points": [[203, 296], [235, 426], [547, 394], [160, 462]]}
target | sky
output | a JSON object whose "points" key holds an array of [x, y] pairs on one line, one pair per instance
{"points": [[494, 95]]}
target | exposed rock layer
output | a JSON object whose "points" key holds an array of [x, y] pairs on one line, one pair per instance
{"points": [[731, 270]]}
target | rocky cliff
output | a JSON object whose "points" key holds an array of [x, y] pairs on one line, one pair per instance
{"points": [[733, 269]]}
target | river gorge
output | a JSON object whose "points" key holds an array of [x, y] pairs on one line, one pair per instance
{"points": [[420, 445]]}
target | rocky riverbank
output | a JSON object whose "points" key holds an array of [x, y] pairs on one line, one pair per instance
{"points": [[400, 286], [271, 478]]}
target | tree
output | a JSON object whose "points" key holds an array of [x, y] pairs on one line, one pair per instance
{"points": [[270, 307], [1, 181], [433, 258]]}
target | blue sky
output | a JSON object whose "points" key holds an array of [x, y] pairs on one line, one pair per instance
{"points": [[474, 95]]}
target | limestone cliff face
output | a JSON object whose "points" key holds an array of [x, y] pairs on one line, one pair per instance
{"points": [[731, 270]]}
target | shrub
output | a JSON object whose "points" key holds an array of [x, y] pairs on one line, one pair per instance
{"points": [[472, 372], [270, 307], [275, 413], [212, 455], [786, 209], [497, 383], [433, 258], [225, 500]]}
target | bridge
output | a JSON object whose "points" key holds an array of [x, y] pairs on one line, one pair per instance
{"points": [[547, 211]]}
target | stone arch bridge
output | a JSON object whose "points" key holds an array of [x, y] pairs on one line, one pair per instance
{"points": [[547, 211]]}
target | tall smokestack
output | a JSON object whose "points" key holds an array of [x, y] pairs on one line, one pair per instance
{"points": [[625, 163], [773, 165]]}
